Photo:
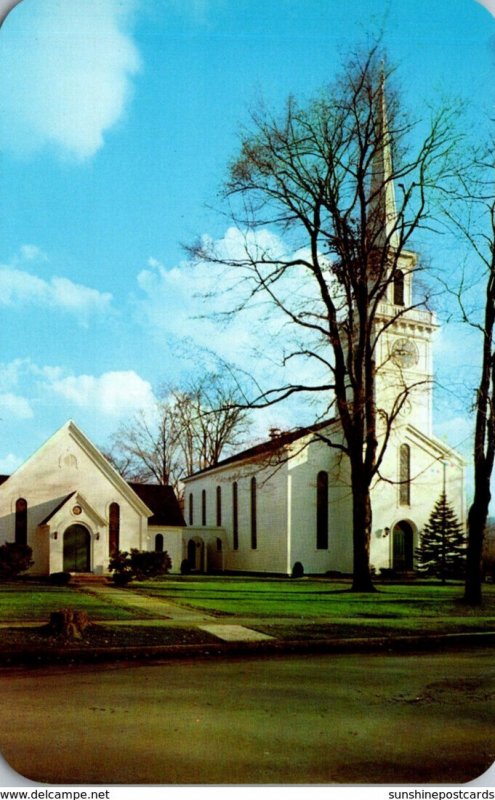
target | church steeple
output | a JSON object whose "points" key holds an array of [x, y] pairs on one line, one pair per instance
{"points": [[383, 208]]}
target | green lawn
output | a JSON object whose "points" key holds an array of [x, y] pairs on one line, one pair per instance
{"points": [[412, 607], [29, 600], [306, 608]]}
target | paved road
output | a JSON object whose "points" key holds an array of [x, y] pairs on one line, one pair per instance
{"points": [[314, 719]]}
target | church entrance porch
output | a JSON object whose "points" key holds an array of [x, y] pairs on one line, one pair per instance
{"points": [[196, 554], [77, 543], [403, 547]]}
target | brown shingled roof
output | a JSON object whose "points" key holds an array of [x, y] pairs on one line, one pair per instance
{"points": [[161, 500], [57, 507], [270, 445]]}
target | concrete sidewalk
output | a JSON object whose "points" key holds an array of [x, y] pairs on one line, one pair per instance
{"points": [[153, 607], [164, 609], [235, 636]]}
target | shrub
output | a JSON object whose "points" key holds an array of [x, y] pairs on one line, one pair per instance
{"points": [[60, 578], [140, 564], [297, 570], [149, 563], [14, 559], [185, 567], [120, 566], [122, 578]]}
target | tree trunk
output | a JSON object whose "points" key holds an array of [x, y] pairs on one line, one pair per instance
{"points": [[477, 517], [361, 522], [68, 623]]}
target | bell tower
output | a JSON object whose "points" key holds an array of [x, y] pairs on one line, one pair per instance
{"points": [[404, 330]]}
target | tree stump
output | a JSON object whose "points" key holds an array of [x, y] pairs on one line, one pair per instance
{"points": [[68, 624]]}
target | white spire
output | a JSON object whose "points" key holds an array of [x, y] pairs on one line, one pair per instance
{"points": [[382, 204]]}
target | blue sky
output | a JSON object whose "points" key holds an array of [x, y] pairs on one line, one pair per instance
{"points": [[117, 120]]}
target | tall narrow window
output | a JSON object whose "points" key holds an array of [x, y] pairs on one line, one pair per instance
{"points": [[399, 288], [254, 522], [203, 507], [219, 506], [114, 528], [159, 543], [235, 517], [21, 508], [405, 475], [322, 511], [191, 509]]}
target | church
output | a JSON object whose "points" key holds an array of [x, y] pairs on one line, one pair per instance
{"points": [[281, 506], [287, 501], [73, 509], [286, 504]]}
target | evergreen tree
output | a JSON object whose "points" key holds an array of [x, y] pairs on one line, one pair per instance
{"points": [[442, 549]]}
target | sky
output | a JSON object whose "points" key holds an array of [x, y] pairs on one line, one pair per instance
{"points": [[118, 119]]}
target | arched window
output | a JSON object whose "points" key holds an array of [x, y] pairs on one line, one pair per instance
{"points": [[254, 522], [322, 511], [399, 288], [159, 543], [191, 509], [114, 528], [235, 517], [405, 475], [203, 507], [21, 508], [219, 506]]}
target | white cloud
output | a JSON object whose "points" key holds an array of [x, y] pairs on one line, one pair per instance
{"points": [[196, 303], [9, 463], [20, 288], [31, 252], [67, 67], [112, 393], [14, 407], [12, 372]]}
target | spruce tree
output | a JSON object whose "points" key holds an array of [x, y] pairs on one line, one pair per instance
{"points": [[442, 549]]}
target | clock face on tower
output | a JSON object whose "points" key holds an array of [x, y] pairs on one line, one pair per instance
{"points": [[405, 353]]}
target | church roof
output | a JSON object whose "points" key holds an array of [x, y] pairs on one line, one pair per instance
{"points": [[52, 513], [271, 445], [161, 500]]}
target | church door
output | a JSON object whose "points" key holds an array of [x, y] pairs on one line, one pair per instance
{"points": [[403, 547], [76, 549], [191, 553]]}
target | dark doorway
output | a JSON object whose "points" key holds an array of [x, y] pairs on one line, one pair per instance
{"points": [[76, 549], [191, 553], [403, 547]]}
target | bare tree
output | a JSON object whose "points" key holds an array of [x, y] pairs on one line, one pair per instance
{"points": [[211, 416], [147, 447], [476, 221], [187, 431], [322, 176]]}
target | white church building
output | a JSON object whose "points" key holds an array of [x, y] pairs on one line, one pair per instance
{"points": [[289, 499], [282, 502], [73, 509]]}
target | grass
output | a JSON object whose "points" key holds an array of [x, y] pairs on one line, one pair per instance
{"points": [[288, 609], [411, 607], [28, 600]]}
